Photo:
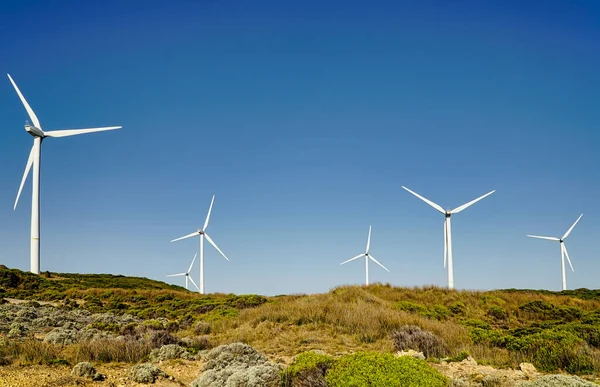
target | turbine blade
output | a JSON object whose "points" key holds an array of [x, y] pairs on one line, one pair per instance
{"points": [[186, 236], [432, 204], [25, 174], [176, 275], [369, 239], [352, 259], [372, 258], [572, 227], [192, 264], [215, 246], [567, 255], [469, 204], [194, 283], [544, 237], [74, 132], [32, 115], [208, 215]]}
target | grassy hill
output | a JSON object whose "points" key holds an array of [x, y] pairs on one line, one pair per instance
{"points": [[552, 330]]}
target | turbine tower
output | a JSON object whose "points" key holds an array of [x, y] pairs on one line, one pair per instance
{"points": [[187, 274], [34, 160], [367, 256], [563, 251], [202, 233], [448, 229]]}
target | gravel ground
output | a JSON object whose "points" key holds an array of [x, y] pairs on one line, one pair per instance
{"points": [[183, 372]]}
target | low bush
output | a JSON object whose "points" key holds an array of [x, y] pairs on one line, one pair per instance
{"points": [[552, 350], [86, 370], [238, 364], [383, 370], [308, 370], [146, 373], [497, 313], [413, 337]]}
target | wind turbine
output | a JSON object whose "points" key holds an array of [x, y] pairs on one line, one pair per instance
{"points": [[187, 274], [202, 233], [367, 256], [34, 160], [563, 251], [448, 229]]}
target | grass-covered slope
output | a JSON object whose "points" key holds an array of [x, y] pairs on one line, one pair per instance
{"points": [[554, 331], [24, 283]]}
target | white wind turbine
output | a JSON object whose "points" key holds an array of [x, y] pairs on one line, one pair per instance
{"points": [[187, 274], [34, 160], [202, 233], [367, 256], [448, 229], [563, 251]]}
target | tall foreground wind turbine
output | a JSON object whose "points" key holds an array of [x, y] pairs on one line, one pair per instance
{"points": [[563, 251], [448, 229], [34, 160], [202, 233], [187, 274], [367, 256]]}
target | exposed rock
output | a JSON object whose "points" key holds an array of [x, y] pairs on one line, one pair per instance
{"points": [[411, 353], [468, 372], [86, 370], [146, 373], [558, 381], [528, 369]]}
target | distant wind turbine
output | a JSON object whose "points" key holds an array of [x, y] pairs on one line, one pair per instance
{"points": [[202, 233], [367, 256], [448, 229], [563, 251], [187, 274], [34, 160]]}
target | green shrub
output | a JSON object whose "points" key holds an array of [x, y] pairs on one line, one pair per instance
{"points": [[458, 308], [308, 369], [552, 350], [383, 370], [411, 307], [537, 307], [460, 357], [567, 313], [497, 313], [476, 323]]}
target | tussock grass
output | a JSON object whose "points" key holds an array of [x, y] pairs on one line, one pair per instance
{"points": [[553, 330]]}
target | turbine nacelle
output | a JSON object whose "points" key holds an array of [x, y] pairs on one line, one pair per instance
{"points": [[35, 132]]}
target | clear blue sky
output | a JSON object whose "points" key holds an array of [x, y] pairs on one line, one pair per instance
{"points": [[305, 118]]}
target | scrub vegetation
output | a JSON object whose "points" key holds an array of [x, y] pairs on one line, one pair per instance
{"points": [[72, 318]]}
